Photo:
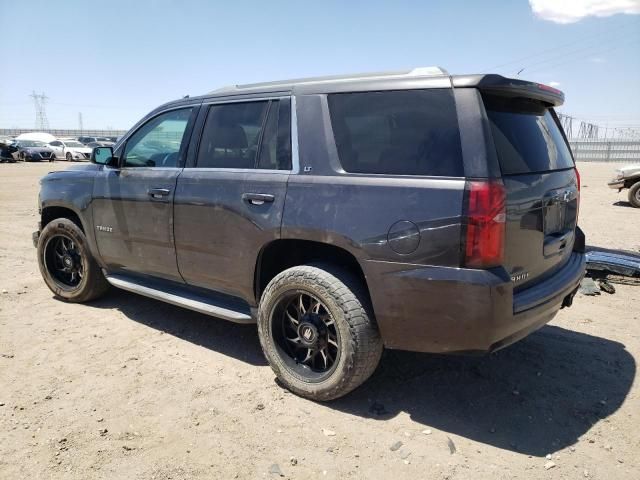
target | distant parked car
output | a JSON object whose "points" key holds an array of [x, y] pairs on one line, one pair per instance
{"points": [[85, 140], [70, 150], [5, 154], [628, 177], [30, 150]]}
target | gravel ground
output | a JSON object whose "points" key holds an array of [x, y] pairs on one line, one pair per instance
{"points": [[128, 387]]}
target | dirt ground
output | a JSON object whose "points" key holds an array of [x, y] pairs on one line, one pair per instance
{"points": [[128, 387]]}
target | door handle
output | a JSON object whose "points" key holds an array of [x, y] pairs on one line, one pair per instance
{"points": [[158, 192], [258, 198]]}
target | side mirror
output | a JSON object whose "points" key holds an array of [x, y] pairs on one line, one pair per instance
{"points": [[103, 156]]}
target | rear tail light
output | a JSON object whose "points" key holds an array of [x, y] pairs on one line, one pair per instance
{"points": [[486, 218]]}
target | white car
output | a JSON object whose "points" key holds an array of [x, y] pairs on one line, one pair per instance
{"points": [[70, 150]]}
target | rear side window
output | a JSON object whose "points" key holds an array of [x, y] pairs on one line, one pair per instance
{"points": [[231, 135], [526, 136], [408, 132], [247, 135]]}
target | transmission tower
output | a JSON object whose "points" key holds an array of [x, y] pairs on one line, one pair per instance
{"points": [[80, 121], [39, 101]]}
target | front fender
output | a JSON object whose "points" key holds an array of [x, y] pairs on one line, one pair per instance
{"points": [[72, 190]]}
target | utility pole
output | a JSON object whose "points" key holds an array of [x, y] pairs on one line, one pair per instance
{"points": [[80, 122], [39, 101]]}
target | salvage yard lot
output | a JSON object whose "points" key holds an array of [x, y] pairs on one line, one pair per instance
{"points": [[128, 387]]}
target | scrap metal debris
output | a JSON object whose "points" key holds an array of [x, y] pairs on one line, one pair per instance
{"points": [[588, 287], [621, 263], [605, 267]]}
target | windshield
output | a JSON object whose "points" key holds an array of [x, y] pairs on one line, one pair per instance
{"points": [[526, 136], [73, 144], [31, 143]]}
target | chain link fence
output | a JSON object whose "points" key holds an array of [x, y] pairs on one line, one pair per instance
{"points": [[606, 150], [14, 132]]}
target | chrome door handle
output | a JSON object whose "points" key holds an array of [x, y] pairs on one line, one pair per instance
{"points": [[258, 198], [158, 192]]}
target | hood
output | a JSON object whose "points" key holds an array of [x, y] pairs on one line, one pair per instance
{"points": [[629, 169], [80, 149], [36, 149]]}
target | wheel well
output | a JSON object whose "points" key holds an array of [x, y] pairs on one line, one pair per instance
{"points": [[282, 254], [631, 182], [51, 213]]}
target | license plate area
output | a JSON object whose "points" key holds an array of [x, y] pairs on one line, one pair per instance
{"points": [[554, 218]]}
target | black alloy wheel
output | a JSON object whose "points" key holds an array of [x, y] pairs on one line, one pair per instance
{"points": [[306, 333], [64, 261]]}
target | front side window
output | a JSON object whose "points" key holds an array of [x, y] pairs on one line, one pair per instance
{"points": [[157, 143], [405, 132]]}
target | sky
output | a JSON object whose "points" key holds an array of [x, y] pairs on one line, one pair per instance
{"points": [[114, 61]]}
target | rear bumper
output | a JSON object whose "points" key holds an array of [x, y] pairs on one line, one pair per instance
{"points": [[447, 310]]}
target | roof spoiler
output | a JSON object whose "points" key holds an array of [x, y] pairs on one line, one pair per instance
{"points": [[499, 85]]}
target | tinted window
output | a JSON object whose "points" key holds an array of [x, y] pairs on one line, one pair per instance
{"points": [[412, 132], [231, 135], [526, 136], [275, 149], [157, 143]]}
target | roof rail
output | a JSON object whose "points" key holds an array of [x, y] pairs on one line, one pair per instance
{"points": [[415, 72]]}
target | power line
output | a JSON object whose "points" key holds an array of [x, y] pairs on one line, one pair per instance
{"points": [[587, 38], [580, 57]]}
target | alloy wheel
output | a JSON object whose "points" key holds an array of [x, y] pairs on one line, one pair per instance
{"points": [[306, 334], [63, 260]]}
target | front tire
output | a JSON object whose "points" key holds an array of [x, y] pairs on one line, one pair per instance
{"points": [[316, 331], [634, 195], [69, 157], [66, 263]]}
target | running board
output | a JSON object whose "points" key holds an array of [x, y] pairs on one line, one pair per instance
{"points": [[192, 302]]}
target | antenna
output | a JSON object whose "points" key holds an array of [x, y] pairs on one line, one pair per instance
{"points": [[39, 102]]}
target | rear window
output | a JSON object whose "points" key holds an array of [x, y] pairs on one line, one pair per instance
{"points": [[526, 136], [409, 132]]}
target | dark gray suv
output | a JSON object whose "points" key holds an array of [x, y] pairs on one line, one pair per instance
{"points": [[408, 210]]}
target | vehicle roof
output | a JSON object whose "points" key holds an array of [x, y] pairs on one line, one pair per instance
{"points": [[421, 77]]}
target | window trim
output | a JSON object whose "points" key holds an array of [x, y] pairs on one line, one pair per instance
{"points": [[183, 146], [206, 107]]}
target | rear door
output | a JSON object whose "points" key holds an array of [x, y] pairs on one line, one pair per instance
{"points": [[230, 199], [542, 191]]}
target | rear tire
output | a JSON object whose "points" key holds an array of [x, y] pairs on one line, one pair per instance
{"points": [[347, 343], [634, 195], [66, 263]]}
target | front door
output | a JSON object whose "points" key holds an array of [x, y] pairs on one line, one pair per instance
{"points": [[133, 204], [229, 203]]}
